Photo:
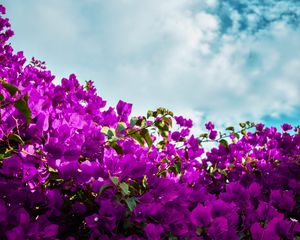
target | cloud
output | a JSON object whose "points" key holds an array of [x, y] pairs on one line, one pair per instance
{"points": [[225, 61]]}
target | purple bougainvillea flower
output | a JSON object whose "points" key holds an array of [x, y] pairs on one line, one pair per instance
{"points": [[259, 127], [283, 200], [286, 127], [72, 154], [218, 228], [153, 231], [3, 211], [201, 216], [92, 221], [50, 231], [12, 167], [15, 233], [175, 136], [124, 110], [209, 126], [213, 134], [68, 170], [266, 211]]}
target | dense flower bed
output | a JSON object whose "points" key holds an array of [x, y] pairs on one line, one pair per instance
{"points": [[71, 168]]}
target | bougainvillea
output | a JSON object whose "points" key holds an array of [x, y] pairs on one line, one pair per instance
{"points": [[72, 168]]}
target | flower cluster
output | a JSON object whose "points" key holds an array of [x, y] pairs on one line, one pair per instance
{"points": [[73, 168]]}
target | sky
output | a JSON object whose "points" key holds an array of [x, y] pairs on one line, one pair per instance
{"points": [[227, 61]]}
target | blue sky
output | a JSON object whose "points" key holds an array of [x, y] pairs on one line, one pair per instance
{"points": [[226, 61]]}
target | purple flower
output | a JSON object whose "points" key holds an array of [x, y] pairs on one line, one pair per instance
{"points": [[2, 9], [124, 110], [259, 127], [218, 228], [175, 136], [153, 231], [213, 134], [3, 211], [201, 216], [209, 126], [283, 200], [286, 127]]}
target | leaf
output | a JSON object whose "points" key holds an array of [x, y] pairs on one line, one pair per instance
{"points": [[104, 187], [133, 121], [12, 89], [136, 136], [161, 144], [230, 128], [125, 188], [105, 130], [16, 138], [131, 203], [22, 106], [116, 147], [244, 132], [1, 97], [199, 231], [162, 128], [145, 134], [242, 125], [168, 121], [141, 122], [237, 135], [109, 132], [149, 114], [115, 180], [144, 181], [178, 166], [121, 126], [204, 135], [224, 143]]}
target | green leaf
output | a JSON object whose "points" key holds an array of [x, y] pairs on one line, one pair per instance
{"points": [[52, 170], [230, 128], [1, 97], [133, 121], [115, 180], [131, 203], [149, 114], [244, 132], [145, 134], [104, 187], [178, 166], [12, 89], [22, 106], [168, 121], [237, 135], [16, 138], [116, 147], [141, 122], [242, 125], [121, 126], [105, 130], [144, 181], [199, 231], [204, 135], [125, 188], [162, 128], [224, 143], [136, 136], [109, 132], [161, 144]]}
